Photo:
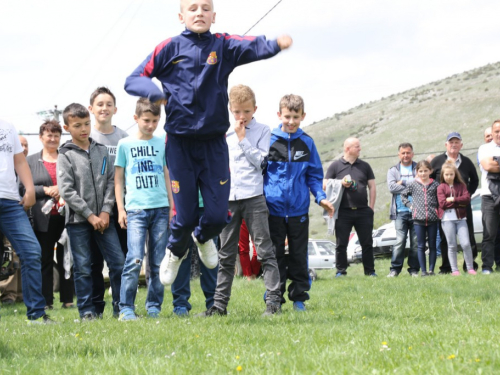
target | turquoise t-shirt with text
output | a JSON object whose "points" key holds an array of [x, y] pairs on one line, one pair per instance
{"points": [[143, 162]]}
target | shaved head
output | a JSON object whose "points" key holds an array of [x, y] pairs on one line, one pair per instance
{"points": [[184, 2], [349, 142]]}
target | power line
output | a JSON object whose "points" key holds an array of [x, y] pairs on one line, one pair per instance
{"points": [[264, 16]]}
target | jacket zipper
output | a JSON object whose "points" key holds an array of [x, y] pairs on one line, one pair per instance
{"points": [[288, 178], [196, 83], [93, 181]]}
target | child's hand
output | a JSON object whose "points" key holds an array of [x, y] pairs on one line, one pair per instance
{"points": [[170, 214], [327, 205], [284, 42], [239, 129], [96, 223], [122, 219], [104, 216]]}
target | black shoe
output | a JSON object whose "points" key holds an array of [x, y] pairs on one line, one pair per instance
{"points": [[214, 310], [444, 272], [8, 302], [87, 317], [49, 307], [431, 273], [424, 274], [272, 309]]}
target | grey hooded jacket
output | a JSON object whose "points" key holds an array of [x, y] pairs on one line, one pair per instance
{"points": [[393, 176], [85, 181]]}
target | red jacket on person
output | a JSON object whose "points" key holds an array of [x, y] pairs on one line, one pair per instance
{"points": [[461, 195]]}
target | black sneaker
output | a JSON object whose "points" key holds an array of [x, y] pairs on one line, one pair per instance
{"points": [[44, 319], [431, 273], [214, 310], [87, 317], [272, 309]]}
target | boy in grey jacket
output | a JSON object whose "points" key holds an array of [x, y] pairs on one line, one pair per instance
{"points": [[85, 181]]}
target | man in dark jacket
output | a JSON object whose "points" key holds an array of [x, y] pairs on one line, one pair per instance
{"points": [[468, 172]]}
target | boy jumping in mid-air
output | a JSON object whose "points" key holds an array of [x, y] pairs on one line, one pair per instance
{"points": [[193, 68]]}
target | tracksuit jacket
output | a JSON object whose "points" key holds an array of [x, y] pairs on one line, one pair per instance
{"points": [[293, 168], [85, 181], [194, 70], [424, 207]]}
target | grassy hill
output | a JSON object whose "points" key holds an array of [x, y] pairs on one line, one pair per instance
{"points": [[466, 102]]}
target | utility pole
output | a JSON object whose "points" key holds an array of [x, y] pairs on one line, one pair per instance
{"points": [[50, 114]]}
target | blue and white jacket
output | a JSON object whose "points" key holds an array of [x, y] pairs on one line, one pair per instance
{"points": [[194, 70], [293, 169]]}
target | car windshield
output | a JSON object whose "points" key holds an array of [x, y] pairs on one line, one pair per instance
{"points": [[326, 248]]}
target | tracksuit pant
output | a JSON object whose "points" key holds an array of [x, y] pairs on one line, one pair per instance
{"points": [[195, 163]]}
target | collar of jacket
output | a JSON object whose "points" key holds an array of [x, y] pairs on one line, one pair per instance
{"points": [[40, 156], [191, 35], [280, 133], [70, 145]]}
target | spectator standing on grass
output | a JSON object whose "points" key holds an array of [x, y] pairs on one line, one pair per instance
{"points": [[294, 172], [49, 227], [181, 287], [453, 199], [355, 209], [14, 222], [85, 181], [468, 172], [248, 148], [424, 206], [141, 171], [11, 290], [398, 177], [489, 154], [103, 107]]}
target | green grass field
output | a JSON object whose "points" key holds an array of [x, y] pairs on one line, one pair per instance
{"points": [[355, 325]]}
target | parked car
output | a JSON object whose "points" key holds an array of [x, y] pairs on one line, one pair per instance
{"points": [[321, 255], [384, 238], [477, 217]]}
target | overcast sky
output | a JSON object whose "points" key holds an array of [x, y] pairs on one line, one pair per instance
{"points": [[344, 53]]}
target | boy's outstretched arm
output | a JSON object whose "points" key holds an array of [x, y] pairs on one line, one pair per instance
{"points": [[23, 171]]}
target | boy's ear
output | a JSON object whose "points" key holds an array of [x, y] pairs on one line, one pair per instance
{"points": [[303, 116], [90, 108], [213, 18], [136, 118], [181, 17], [66, 127]]}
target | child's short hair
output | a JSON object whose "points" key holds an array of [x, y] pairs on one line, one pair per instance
{"points": [[144, 105], [99, 91], [241, 94], [424, 163], [292, 103], [51, 126], [451, 166], [74, 110]]}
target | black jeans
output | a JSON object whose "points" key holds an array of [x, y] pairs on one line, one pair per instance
{"points": [[445, 265], [293, 266], [491, 220], [362, 221]]}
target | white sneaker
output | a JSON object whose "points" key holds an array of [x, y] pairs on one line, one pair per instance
{"points": [[169, 267], [208, 253]]}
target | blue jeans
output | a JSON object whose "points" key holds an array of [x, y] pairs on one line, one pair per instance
{"points": [[404, 225], [181, 289], [14, 224], [140, 223], [427, 232], [80, 236]]}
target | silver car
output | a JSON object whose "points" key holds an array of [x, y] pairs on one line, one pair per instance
{"points": [[321, 256]]}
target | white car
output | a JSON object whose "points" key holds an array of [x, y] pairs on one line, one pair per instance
{"points": [[384, 238], [321, 256]]}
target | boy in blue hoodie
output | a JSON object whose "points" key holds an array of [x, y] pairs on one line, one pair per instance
{"points": [[193, 69], [293, 168]]}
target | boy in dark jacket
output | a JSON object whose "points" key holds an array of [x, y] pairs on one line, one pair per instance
{"points": [[294, 168], [85, 181], [193, 69]]}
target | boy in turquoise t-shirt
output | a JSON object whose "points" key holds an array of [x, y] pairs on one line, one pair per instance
{"points": [[140, 167]]}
